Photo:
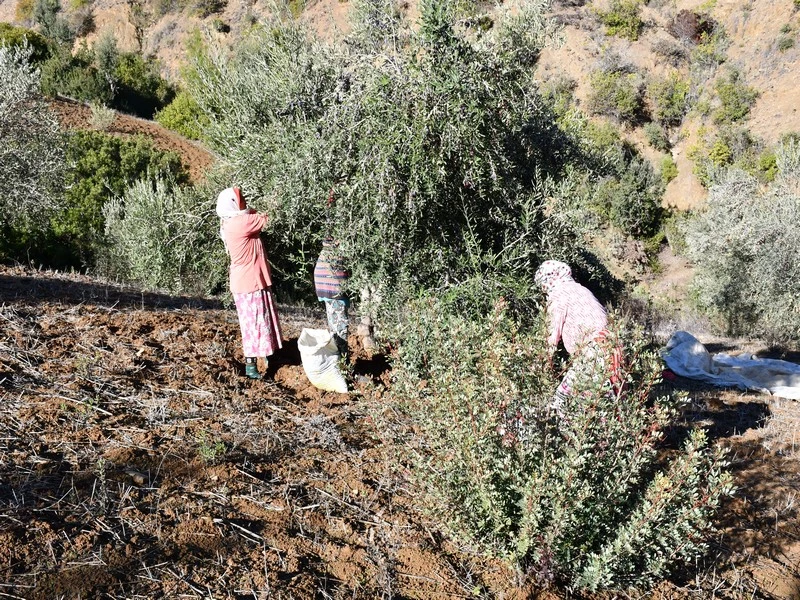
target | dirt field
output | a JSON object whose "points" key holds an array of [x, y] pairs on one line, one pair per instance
{"points": [[138, 462]]}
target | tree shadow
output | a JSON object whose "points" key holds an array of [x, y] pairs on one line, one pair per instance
{"points": [[78, 289]]}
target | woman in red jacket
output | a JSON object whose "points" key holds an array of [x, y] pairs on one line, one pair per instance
{"points": [[250, 278]]}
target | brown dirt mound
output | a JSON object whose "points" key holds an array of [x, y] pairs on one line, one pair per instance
{"points": [[137, 461], [196, 159]]}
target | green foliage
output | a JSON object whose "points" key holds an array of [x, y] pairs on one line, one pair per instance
{"points": [[748, 274], [437, 152], [296, 7], [628, 192], [47, 14], [209, 451], [669, 170], [623, 19], [142, 90], [582, 500], [164, 236], [669, 98], [711, 51], [206, 8], [102, 166], [75, 76], [31, 154], [631, 201], [184, 116], [785, 42], [616, 94], [656, 137], [559, 93], [736, 98], [19, 36], [768, 165], [104, 75]]}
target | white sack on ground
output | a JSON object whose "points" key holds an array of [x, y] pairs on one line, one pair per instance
{"points": [[687, 357], [320, 359]]}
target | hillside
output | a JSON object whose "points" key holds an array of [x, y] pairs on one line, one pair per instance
{"points": [[757, 35]]}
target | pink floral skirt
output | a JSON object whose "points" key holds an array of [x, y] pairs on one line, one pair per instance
{"points": [[258, 319]]}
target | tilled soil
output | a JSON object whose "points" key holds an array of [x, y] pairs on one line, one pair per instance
{"points": [[137, 461]]}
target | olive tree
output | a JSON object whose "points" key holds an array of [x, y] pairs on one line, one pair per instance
{"points": [[31, 146]]}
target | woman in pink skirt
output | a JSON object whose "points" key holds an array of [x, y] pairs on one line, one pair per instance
{"points": [[250, 278]]}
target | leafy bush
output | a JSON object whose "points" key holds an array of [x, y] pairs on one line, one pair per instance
{"points": [[104, 75], [75, 75], [669, 170], [623, 19], [31, 153], [745, 274], [656, 137], [184, 116], [669, 98], [785, 42], [616, 94], [47, 14], [101, 167], [164, 236], [711, 51], [736, 98], [142, 90], [206, 8], [628, 192], [632, 200], [582, 501], [437, 152], [19, 36]]}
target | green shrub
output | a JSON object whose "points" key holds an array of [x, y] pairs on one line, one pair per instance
{"points": [[623, 19], [54, 27], [669, 98], [75, 76], [18, 36], [669, 170], [164, 236], [206, 8], [656, 137], [296, 7], [184, 116], [632, 201], [102, 167], [711, 51], [142, 90], [31, 155], [560, 93], [768, 165], [743, 274], [437, 156], [736, 98], [616, 94], [785, 42], [582, 501]]}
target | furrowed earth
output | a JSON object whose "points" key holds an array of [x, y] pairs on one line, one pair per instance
{"points": [[137, 461]]}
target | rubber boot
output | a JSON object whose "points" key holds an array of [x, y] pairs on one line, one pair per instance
{"points": [[251, 368]]}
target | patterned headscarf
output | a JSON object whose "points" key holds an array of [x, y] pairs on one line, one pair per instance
{"points": [[229, 204], [551, 273]]}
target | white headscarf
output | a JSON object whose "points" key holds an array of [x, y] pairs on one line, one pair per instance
{"points": [[551, 273], [229, 203]]}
